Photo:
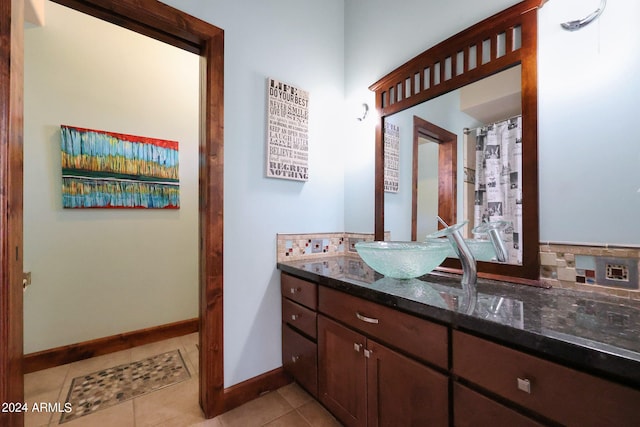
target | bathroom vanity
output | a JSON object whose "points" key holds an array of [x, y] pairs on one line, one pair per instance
{"points": [[378, 351]]}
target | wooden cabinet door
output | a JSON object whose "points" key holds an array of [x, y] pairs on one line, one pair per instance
{"points": [[403, 392], [299, 359], [342, 380]]}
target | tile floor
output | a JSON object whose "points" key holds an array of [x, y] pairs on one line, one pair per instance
{"points": [[174, 406]]}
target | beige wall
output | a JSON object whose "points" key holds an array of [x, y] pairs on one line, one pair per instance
{"points": [[99, 272]]}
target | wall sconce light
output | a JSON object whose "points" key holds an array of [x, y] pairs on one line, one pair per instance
{"points": [[361, 112]]}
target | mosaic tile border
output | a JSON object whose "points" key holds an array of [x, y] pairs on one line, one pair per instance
{"points": [[600, 269], [294, 247], [606, 270], [108, 387]]}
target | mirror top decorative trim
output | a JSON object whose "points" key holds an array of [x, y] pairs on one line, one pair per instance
{"points": [[501, 41], [485, 48]]}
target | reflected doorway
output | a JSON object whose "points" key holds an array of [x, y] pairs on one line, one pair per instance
{"points": [[434, 183], [427, 187]]}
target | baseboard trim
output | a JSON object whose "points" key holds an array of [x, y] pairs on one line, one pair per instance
{"points": [[252, 388], [73, 352]]}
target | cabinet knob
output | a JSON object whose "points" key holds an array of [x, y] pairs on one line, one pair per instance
{"points": [[367, 353], [524, 385], [367, 319], [295, 316], [294, 290], [357, 347], [294, 359]]}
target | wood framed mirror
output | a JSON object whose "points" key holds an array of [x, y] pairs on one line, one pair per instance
{"points": [[502, 41]]}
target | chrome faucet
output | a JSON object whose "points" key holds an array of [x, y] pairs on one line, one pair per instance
{"points": [[498, 244], [469, 266], [492, 229], [468, 261]]}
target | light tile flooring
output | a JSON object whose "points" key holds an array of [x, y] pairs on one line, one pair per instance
{"points": [[174, 406]]}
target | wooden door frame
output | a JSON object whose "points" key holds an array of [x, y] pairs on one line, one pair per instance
{"points": [[11, 105], [447, 172], [166, 24]]}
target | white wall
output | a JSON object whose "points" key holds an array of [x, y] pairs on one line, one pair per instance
{"points": [[588, 89], [301, 43], [589, 92], [102, 272]]}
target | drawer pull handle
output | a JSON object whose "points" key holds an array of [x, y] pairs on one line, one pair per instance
{"points": [[367, 319], [294, 359], [357, 347], [294, 290], [295, 317], [524, 385]]}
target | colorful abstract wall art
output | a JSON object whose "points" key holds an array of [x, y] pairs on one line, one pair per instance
{"points": [[113, 170]]}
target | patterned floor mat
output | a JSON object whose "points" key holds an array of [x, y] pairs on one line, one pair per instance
{"points": [[108, 387]]}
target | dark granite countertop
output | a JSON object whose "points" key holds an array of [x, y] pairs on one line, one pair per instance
{"points": [[587, 331]]}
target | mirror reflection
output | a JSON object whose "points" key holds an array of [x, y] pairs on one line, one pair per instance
{"points": [[483, 122], [427, 186]]}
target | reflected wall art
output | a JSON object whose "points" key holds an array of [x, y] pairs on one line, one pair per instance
{"points": [[113, 170]]}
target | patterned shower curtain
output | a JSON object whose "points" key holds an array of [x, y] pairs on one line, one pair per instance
{"points": [[498, 187]]}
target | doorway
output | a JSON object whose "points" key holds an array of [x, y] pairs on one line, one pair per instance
{"points": [[446, 178], [113, 270], [176, 28]]}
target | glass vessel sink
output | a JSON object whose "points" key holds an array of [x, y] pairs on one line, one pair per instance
{"points": [[481, 249], [404, 260]]}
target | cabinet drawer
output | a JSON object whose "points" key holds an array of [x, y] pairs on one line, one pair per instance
{"points": [[471, 409], [422, 339], [301, 291], [555, 391], [299, 317], [300, 359]]}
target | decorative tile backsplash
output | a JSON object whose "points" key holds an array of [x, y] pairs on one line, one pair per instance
{"points": [[293, 247], [608, 270], [602, 269]]}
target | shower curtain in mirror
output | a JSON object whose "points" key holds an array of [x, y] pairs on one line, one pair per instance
{"points": [[498, 187]]}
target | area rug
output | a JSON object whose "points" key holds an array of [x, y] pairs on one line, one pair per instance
{"points": [[108, 387]]}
